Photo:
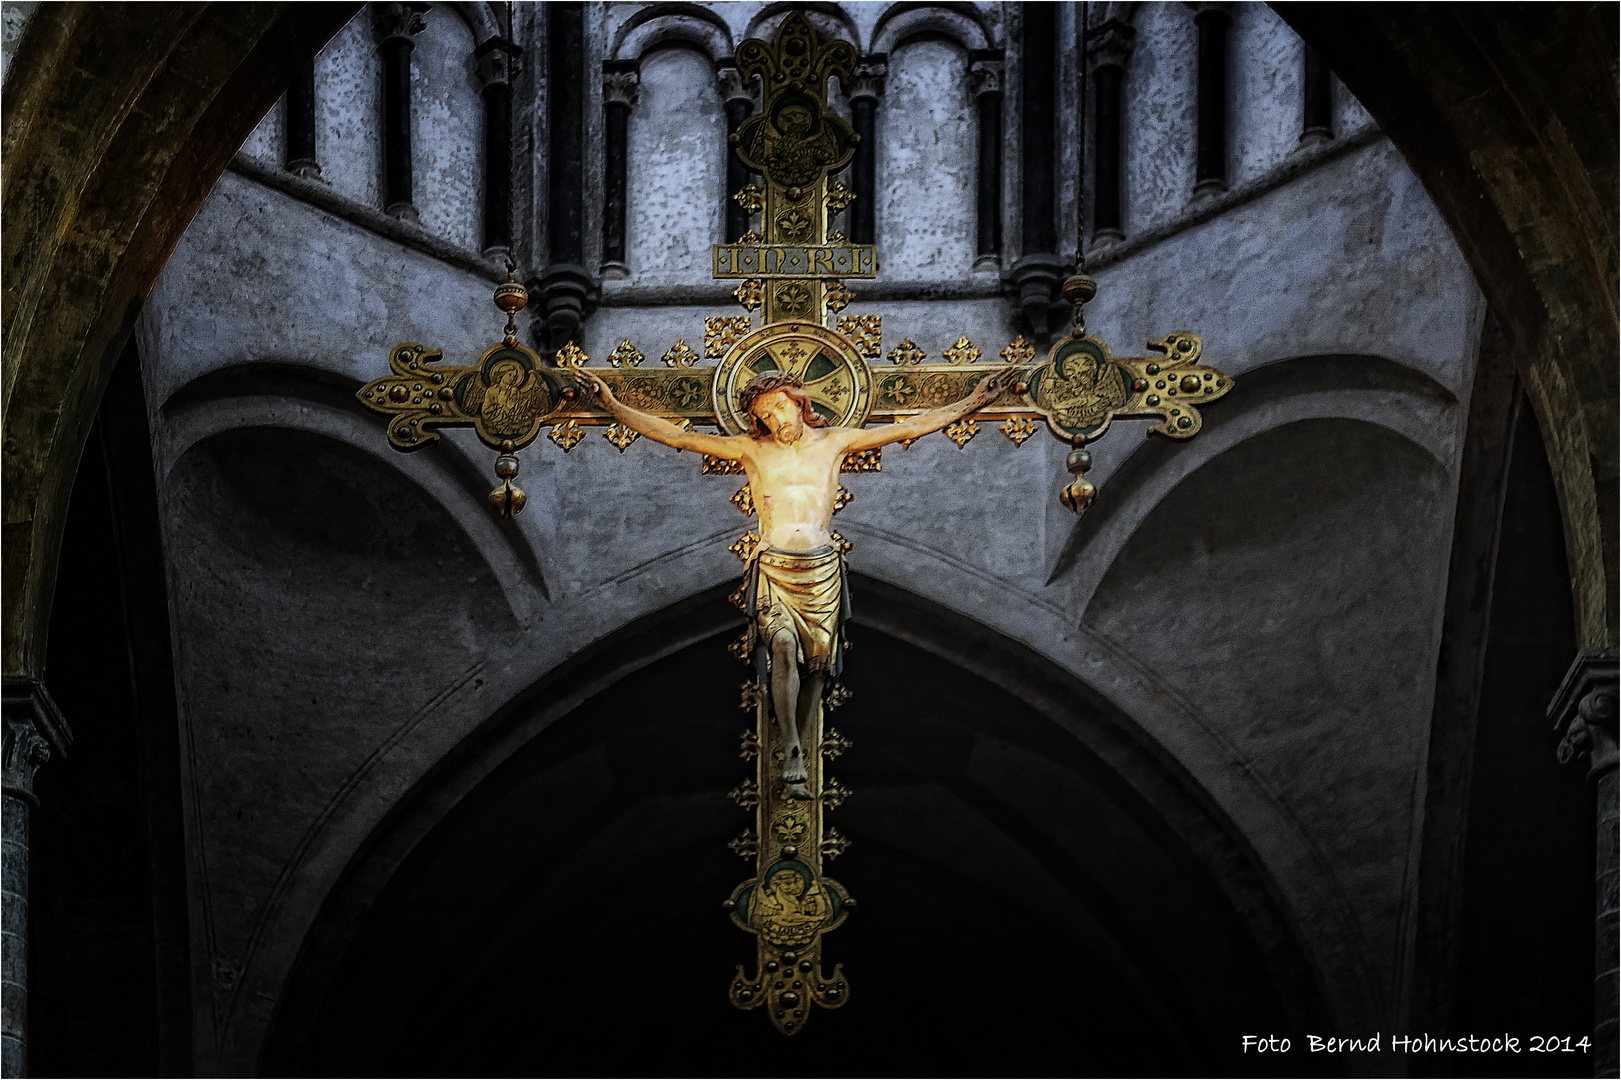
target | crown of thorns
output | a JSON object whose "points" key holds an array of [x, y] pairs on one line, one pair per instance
{"points": [[766, 382]]}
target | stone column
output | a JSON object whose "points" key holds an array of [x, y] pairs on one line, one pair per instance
{"points": [[34, 729], [1210, 174], [740, 101], [1318, 125], [1109, 47], [396, 25], [494, 66], [1039, 273], [567, 292], [300, 158], [1584, 716], [621, 80], [985, 72], [866, 87]]}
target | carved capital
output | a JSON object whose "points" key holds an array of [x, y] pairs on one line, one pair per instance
{"points": [[34, 729], [985, 77], [621, 86], [1584, 710], [1109, 43], [867, 78], [495, 63], [403, 21], [734, 87]]}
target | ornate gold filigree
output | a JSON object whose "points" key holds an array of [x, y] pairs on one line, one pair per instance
{"points": [[740, 648], [834, 744], [962, 431], [745, 844], [567, 435], [738, 598], [865, 333], [745, 546], [863, 461], [837, 296], [751, 197], [750, 293], [621, 436], [743, 499], [626, 355], [680, 355], [746, 794], [1019, 351], [841, 498], [1018, 429], [964, 352], [715, 466], [751, 746], [837, 694], [571, 355], [837, 237], [839, 196], [840, 543], [834, 794], [752, 694], [721, 332], [906, 353], [834, 844]]}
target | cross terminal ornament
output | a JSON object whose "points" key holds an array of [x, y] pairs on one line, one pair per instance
{"points": [[795, 385]]}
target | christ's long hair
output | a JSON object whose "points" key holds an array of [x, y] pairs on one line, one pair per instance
{"points": [[788, 383]]}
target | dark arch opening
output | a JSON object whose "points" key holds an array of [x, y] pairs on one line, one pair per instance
{"points": [[1024, 906]]}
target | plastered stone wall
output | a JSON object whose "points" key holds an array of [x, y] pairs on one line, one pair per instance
{"points": [[1263, 601], [928, 156], [677, 145]]}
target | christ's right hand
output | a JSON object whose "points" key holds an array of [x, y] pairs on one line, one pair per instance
{"points": [[593, 388]]}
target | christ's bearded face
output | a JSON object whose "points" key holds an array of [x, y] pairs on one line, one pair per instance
{"points": [[781, 415]]}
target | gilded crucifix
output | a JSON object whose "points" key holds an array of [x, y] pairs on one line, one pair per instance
{"points": [[791, 402]]}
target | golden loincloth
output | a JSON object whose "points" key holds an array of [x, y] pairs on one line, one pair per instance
{"points": [[802, 592]]}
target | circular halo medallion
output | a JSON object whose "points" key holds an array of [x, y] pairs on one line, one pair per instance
{"points": [[836, 378]]}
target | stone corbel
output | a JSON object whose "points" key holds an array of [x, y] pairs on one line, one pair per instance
{"points": [[1583, 712], [1037, 283], [568, 296], [34, 730]]}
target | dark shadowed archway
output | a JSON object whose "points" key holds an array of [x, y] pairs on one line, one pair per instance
{"points": [[1025, 905]]}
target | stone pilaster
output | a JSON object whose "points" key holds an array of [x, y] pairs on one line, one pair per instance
{"points": [[34, 730], [1583, 713]]}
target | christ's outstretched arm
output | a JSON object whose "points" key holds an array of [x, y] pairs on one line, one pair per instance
{"points": [[989, 388], [657, 428]]}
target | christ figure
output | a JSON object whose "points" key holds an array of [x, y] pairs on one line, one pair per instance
{"points": [[796, 593]]}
